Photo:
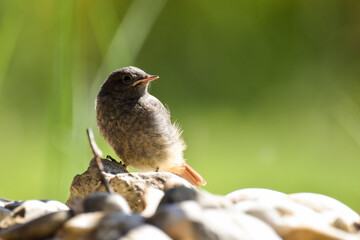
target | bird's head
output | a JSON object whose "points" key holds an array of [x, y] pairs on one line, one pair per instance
{"points": [[127, 82]]}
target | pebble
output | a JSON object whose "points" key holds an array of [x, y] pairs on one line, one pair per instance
{"points": [[4, 201], [106, 202], [173, 219], [115, 225], [56, 204], [26, 211], [254, 194], [4, 212], [39, 228], [145, 230], [291, 220], [205, 199], [151, 199], [188, 220], [334, 212], [80, 225], [13, 204]]}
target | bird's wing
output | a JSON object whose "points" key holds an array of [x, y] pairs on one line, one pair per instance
{"points": [[154, 104]]}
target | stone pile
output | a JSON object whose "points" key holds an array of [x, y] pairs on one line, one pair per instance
{"points": [[158, 205]]}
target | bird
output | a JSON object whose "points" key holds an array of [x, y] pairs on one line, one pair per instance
{"points": [[138, 127]]}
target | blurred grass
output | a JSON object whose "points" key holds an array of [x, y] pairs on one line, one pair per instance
{"points": [[265, 91]]}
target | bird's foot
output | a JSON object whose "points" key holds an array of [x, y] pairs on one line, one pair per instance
{"points": [[108, 157], [157, 169]]}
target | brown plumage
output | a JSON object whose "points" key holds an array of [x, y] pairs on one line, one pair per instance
{"points": [[137, 125]]}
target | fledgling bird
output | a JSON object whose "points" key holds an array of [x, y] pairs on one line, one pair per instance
{"points": [[138, 127]]}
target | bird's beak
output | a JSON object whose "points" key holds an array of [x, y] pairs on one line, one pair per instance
{"points": [[145, 80]]}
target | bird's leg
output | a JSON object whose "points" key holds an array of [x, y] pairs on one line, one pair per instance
{"points": [[157, 169]]}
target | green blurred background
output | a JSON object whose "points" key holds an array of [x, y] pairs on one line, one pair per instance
{"points": [[267, 92]]}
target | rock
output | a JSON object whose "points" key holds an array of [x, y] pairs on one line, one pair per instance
{"points": [[4, 212], [90, 181], [236, 225], [254, 194], [115, 225], [334, 212], [13, 204], [4, 201], [188, 220], [145, 231], [297, 216], [130, 185], [39, 228], [56, 204], [27, 211], [80, 226], [151, 199], [99, 225], [174, 221], [105, 202], [205, 199], [168, 207], [291, 220]]}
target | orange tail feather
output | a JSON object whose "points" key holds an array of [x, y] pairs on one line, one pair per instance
{"points": [[192, 176]]}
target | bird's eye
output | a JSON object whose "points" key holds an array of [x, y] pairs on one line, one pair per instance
{"points": [[127, 79]]}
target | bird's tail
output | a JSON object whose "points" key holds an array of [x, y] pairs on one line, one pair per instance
{"points": [[192, 176]]}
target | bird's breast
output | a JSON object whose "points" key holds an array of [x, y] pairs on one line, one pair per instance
{"points": [[140, 134]]}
